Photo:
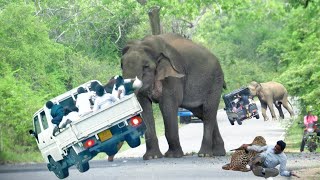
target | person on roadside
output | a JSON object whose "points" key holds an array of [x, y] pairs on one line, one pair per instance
{"points": [[264, 164], [83, 101], [56, 114], [309, 120]]}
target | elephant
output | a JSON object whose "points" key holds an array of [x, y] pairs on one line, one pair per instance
{"points": [[176, 72], [270, 93]]}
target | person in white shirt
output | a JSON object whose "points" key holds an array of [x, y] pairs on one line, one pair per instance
{"points": [[69, 117], [103, 99], [83, 102], [119, 89], [263, 165]]}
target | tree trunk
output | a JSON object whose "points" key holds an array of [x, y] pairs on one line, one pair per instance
{"points": [[154, 17]]}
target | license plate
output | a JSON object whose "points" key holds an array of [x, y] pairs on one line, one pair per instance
{"points": [[105, 135]]}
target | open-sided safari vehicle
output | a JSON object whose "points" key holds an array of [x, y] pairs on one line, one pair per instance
{"points": [[239, 109]]}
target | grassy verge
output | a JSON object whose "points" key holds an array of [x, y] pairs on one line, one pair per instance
{"points": [[13, 157]]}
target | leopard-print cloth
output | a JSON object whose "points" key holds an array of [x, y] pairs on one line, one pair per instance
{"points": [[240, 158]]}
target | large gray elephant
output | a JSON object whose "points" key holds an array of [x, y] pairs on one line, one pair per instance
{"points": [[176, 73], [270, 93]]}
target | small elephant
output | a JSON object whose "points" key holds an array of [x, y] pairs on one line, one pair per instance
{"points": [[270, 93], [176, 72]]}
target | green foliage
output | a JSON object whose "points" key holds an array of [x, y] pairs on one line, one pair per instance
{"points": [[237, 37], [18, 100], [98, 28], [25, 46], [301, 54]]}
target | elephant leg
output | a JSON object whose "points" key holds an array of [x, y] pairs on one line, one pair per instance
{"points": [[169, 109], [273, 114], [288, 108], [152, 146], [264, 111], [212, 142], [278, 106]]}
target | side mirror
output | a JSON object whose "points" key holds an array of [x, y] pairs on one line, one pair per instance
{"points": [[32, 133]]}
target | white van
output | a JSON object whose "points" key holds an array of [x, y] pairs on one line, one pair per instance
{"points": [[99, 131]]}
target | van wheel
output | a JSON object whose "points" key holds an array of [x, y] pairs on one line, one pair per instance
{"points": [[133, 142], [111, 150], [83, 167], [56, 167]]}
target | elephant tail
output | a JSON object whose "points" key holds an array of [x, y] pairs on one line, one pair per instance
{"points": [[290, 104], [224, 84]]}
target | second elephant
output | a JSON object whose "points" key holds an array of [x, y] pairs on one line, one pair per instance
{"points": [[270, 93]]}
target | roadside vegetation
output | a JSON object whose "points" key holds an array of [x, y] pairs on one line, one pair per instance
{"points": [[47, 48]]}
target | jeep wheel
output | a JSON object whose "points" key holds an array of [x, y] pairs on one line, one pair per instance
{"points": [[82, 167], [239, 121], [231, 122], [56, 167], [257, 116]]}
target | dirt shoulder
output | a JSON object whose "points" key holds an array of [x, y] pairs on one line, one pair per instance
{"points": [[309, 173], [305, 165]]}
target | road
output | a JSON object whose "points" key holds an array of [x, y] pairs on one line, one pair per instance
{"points": [[129, 164]]}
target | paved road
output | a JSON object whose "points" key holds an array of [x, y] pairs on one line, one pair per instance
{"points": [[233, 136], [129, 164]]}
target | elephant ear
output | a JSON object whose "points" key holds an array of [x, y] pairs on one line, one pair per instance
{"points": [[167, 63], [166, 69]]}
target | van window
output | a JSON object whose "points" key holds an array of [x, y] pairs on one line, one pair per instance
{"points": [[37, 127], [69, 102], [44, 120]]}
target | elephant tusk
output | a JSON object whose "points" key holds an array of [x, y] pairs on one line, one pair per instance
{"points": [[137, 83]]}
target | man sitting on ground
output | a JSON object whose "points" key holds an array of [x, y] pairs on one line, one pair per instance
{"points": [[263, 165]]}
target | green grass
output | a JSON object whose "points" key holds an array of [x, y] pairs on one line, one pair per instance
{"points": [[13, 157]]}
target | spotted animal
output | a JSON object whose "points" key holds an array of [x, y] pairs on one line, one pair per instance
{"points": [[241, 157]]}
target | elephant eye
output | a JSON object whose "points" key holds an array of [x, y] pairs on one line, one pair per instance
{"points": [[146, 66]]}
